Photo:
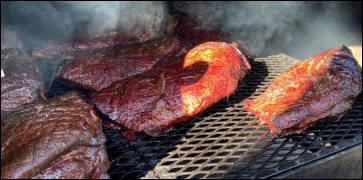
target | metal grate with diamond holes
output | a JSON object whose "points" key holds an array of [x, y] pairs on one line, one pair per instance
{"points": [[226, 141]]}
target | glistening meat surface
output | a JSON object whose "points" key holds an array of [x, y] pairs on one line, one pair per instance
{"points": [[324, 85], [20, 82], [99, 70], [18, 90], [175, 90], [58, 138]]}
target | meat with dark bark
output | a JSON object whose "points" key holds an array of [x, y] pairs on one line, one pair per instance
{"points": [[58, 138], [99, 70], [175, 90], [324, 85], [20, 81], [81, 45]]}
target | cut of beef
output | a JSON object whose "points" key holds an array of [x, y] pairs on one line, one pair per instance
{"points": [[99, 70], [20, 81], [81, 45], [58, 138], [324, 85], [175, 90]]}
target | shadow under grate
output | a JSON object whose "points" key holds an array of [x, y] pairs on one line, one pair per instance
{"points": [[227, 142]]}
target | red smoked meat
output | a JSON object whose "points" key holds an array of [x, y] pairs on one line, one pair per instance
{"points": [[99, 70], [176, 90], [324, 85]]}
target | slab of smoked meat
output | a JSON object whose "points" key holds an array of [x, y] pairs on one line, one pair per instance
{"points": [[20, 82], [99, 70], [187, 28], [57, 138], [82, 45], [324, 85], [175, 90]]}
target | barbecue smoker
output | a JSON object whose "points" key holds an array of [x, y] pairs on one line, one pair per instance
{"points": [[225, 140]]}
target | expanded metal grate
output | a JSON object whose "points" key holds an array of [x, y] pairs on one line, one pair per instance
{"points": [[227, 142]]}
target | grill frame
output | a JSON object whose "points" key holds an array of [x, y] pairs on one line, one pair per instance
{"points": [[226, 141], [316, 162]]}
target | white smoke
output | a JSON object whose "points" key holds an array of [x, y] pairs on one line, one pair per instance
{"points": [[127, 17], [299, 29], [37, 22]]}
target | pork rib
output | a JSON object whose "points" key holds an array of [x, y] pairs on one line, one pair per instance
{"points": [[324, 85], [175, 90]]}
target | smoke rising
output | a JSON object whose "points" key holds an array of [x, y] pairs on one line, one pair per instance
{"points": [[299, 29], [38, 22]]}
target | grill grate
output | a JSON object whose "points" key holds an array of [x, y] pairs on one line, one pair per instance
{"points": [[227, 142]]}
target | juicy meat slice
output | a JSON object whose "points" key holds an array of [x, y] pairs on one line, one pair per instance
{"points": [[99, 70], [187, 28], [175, 90], [58, 138], [81, 45], [324, 85], [20, 82]]}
